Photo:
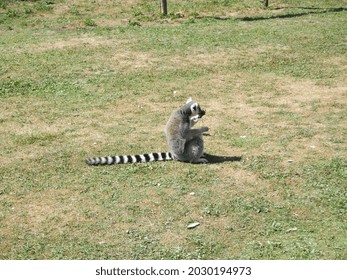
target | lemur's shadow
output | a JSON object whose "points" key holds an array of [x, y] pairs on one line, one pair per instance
{"points": [[219, 159]]}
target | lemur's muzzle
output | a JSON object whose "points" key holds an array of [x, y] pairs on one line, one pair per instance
{"points": [[202, 113]]}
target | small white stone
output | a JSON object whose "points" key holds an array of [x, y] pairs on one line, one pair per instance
{"points": [[193, 225]]}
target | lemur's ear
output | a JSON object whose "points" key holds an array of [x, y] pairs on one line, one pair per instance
{"points": [[189, 100]]}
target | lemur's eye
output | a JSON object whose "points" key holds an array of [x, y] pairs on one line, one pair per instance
{"points": [[194, 107]]}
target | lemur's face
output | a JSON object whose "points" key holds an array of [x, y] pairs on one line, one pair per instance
{"points": [[195, 109]]}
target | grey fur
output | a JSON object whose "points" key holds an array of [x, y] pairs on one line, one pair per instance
{"points": [[185, 143]]}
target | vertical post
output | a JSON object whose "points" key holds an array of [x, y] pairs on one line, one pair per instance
{"points": [[266, 3], [163, 5]]}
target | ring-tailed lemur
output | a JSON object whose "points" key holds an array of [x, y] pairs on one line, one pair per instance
{"points": [[185, 144]]}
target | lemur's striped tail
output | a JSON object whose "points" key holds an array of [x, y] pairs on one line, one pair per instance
{"points": [[129, 159]]}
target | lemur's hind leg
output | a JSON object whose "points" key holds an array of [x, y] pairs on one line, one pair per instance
{"points": [[195, 150]]}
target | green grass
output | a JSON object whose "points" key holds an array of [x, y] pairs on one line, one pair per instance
{"points": [[87, 78]]}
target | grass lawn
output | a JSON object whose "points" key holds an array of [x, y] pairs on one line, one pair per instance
{"points": [[96, 78]]}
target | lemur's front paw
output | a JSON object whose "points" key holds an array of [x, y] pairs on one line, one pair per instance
{"points": [[195, 119], [204, 129]]}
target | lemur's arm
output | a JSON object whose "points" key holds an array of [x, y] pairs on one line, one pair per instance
{"points": [[178, 145], [192, 133]]}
